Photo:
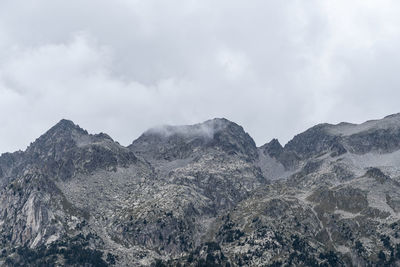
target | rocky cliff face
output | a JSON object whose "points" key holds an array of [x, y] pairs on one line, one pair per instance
{"points": [[204, 195]]}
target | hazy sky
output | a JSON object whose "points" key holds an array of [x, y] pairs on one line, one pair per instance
{"points": [[122, 66]]}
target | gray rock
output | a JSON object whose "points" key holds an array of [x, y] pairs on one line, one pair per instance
{"points": [[204, 195]]}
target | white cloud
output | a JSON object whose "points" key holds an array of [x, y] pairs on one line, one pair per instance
{"points": [[275, 67]]}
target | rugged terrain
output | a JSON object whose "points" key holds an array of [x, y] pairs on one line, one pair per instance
{"points": [[204, 195]]}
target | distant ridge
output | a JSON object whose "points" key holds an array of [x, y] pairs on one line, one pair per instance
{"points": [[204, 195]]}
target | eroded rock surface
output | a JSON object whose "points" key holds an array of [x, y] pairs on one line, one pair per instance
{"points": [[204, 195]]}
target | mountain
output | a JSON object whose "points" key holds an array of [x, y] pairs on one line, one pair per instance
{"points": [[204, 195]]}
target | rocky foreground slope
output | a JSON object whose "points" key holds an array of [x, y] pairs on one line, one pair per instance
{"points": [[204, 195]]}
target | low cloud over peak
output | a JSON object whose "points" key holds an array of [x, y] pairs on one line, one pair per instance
{"points": [[275, 68]]}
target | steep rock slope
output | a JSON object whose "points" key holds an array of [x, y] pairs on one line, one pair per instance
{"points": [[201, 170], [338, 208], [35, 211], [204, 195], [73, 190]]}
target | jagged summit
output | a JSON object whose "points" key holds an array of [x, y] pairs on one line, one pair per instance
{"points": [[65, 131], [205, 129], [66, 149], [65, 123], [180, 141], [68, 126], [65, 126], [377, 136], [390, 122], [204, 195], [273, 148], [311, 142], [347, 129], [67, 134]]}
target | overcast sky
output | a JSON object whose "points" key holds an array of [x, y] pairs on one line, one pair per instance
{"points": [[123, 66]]}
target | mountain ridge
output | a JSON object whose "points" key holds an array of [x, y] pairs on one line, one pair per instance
{"points": [[204, 195], [69, 123]]}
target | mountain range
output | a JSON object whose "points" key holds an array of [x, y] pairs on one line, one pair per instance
{"points": [[204, 195]]}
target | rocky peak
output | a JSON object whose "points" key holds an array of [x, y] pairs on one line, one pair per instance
{"points": [[69, 200], [64, 136], [314, 141], [64, 128], [61, 136], [205, 130], [273, 148], [374, 136], [379, 136], [173, 142], [232, 138], [66, 149], [66, 125]]}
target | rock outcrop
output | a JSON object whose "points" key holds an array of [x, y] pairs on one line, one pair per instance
{"points": [[204, 195]]}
